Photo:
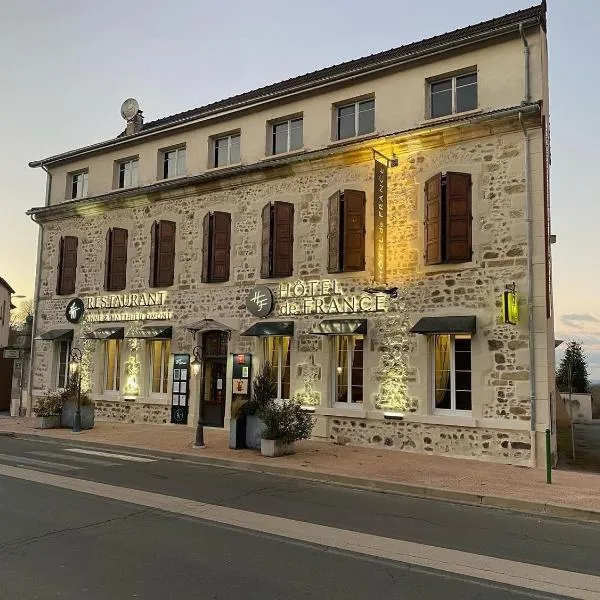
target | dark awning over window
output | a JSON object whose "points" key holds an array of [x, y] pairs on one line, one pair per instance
{"points": [[105, 333], [152, 332], [207, 325], [57, 335], [269, 328], [435, 325], [341, 327]]}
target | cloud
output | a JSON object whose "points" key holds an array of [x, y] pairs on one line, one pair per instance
{"points": [[578, 320]]}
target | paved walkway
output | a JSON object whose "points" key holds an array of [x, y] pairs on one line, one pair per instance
{"points": [[471, 481]]}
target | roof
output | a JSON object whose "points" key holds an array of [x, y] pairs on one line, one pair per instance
{"points": [[4, 283], [535, 15]]}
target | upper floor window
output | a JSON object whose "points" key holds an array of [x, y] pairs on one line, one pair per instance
{"points": [[127, 173], [451, 362], [453, 95], [226, 150], [277, 256], [115, 274], [173, 162], [346, 231], [448, 218], [162, 254], [357, 118], [67, 265], [216, 242], [286, 136], [78, 185]]}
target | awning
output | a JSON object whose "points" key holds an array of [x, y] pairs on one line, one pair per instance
{"points": [[439, 325], [151, 332], [105, 333], [270, 328], [57, 335], [207, 325], [340, 327]]}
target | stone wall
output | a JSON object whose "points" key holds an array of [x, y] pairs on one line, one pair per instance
{"points": [[131, 412]]}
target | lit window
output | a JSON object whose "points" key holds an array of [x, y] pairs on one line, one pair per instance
{"points": [[348, 368], [79, 185], [112, 365], [173, 163], [277, 353], [287, 136], [128, 173], [453, 95], [451, 373], [159, 365], [355, 119], [64, 353], [227, 150]]}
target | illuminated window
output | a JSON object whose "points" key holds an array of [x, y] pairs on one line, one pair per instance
{"points": [[451, 373], [79, 185], [357, 118], [286, 136], [159, 365], [277, 352], [226, 150], [127, 173], [348, 368], [112, 365], [453, 95], [173, 162], [62, 374]]}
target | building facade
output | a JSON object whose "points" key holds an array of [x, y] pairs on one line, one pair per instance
{"points": [[378, 231]]}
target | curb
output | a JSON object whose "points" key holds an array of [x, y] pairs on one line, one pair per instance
{"points": [[546, 509]]}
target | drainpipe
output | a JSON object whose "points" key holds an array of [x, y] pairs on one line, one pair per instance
{"points": [[529, 220], [526, 96], [38, 274]]}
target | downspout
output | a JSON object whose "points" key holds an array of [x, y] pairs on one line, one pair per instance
{"points": [[38, 275], [526, 95]]}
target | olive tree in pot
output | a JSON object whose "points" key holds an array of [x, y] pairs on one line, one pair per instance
{"points": [[285, 423], [47, 411], [69, 406], [264, 390]]}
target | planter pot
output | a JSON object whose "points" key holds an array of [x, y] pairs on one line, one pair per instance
{"points": [[275, 448], [254, 430], [68, 414], [237, 433], [47, 422]]}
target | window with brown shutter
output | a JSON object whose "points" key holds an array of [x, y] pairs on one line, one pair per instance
{"points": [[346, 231], [277, 254], [115, 278], [448, 227], [216, 243], [162, 257], [67, 266]]}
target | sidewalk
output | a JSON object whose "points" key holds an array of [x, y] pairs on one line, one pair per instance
{"points": [[572, 495]]}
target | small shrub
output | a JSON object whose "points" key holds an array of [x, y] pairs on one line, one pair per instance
{"points": [[49, 405], [70, 393], [264, 391], [286, 421]]}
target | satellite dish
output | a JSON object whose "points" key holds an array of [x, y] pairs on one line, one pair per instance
{"points": [[129, 108]]}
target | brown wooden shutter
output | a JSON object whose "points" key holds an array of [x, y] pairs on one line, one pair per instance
{"points": [[283, 242], [221, 241], [266, 250], [354, 230], [165, 266], [153, 253], [433, 220], [205, 278], [117, 270], [333, 263], [67, 265], [458, 217], [107, 254]]}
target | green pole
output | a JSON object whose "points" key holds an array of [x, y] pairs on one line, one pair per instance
{"points": [[548, 458]]}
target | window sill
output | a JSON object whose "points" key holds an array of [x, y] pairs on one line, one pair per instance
{"points": [[451, 266], [451, 117], [161, 179], [342, 411], [222, 167], [351, 140], [284, 154]]}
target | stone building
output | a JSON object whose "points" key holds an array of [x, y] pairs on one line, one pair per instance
{"points": [[361, 228]]}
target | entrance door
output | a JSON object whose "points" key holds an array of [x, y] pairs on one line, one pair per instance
{"points": [[213, 400], [6, 374]]}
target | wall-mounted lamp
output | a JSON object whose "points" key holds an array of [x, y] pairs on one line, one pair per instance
{"points": [[196, 361]]}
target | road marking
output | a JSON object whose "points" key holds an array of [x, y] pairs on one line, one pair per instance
{"points": [[78, 459], [129, 457], [34, 462], [507, 572]]}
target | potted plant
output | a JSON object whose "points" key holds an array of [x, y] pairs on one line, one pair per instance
{"points": [[69, 406], [47, 411], [285, 422], [264, 390]]}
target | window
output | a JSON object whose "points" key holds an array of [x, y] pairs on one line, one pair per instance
{"points": [[160, 351], [67, 266], [216, 242], [79, 185], [453, 95], [277, 353], [227, 150], [3, 312], [348, 372], [451, 373], [173, 162], [64, 353], [448, 218], [277, 240], [162, 254], [115, 269], [112, 365], [127, 173], [347, 231], [286, 136], [355, 119]]}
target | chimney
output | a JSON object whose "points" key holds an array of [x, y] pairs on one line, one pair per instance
{"points": [[135, 124]]}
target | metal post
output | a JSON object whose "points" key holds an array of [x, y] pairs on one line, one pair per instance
{"points": [[77, 419], [199, 441], [548, 458]]}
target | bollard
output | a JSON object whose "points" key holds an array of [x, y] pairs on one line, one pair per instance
{"points": [[548, 458]]}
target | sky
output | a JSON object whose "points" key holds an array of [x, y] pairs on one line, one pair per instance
{"points": [[67, 65]]}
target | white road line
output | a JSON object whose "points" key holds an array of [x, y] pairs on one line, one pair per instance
{"points": [[34, 462], [508, 572], [78, 459], [128, 457]]}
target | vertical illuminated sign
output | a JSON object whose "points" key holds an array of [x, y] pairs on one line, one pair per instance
{"points": [[380, 222]]}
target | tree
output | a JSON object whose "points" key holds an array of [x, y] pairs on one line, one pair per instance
{"points": [[574, 363], [19, 315]]}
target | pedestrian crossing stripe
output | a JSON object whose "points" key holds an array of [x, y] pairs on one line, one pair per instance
{"points": [[128, 457]]}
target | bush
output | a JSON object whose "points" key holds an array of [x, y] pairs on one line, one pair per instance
{"points": [[49, 405], [286, 421], [264, 391], [70, 393]]}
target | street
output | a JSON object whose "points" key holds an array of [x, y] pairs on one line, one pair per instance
{"points": [[80, 522]]}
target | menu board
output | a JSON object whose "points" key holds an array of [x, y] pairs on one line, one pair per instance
{"points": [[242, 365], [180, 389]]}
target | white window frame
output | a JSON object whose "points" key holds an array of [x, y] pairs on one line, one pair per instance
{"points": [[82, 188], [133, 173], [229, 137], [287, 122], [280, 363], [67, 373], [452, 410], [356, 105], [333, 379], [452, 78], [178, 151], [163, 375], [113, 392]]}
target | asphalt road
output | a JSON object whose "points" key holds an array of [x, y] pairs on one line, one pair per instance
{"points": [[59, 543]]}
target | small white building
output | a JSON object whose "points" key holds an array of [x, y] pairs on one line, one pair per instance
{"points": [[5, 305]]}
